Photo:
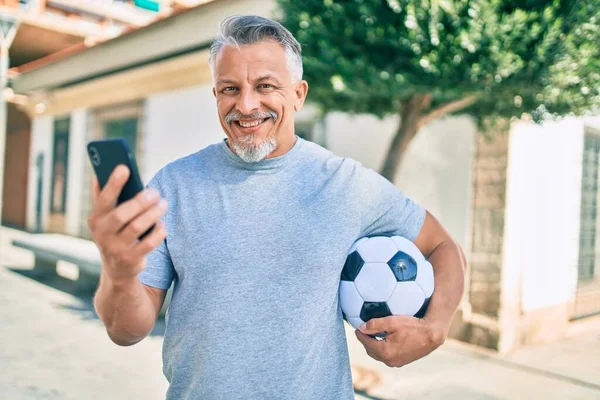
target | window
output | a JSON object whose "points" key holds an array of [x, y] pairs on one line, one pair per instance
{"points": [[126, 128], [58, 197]]}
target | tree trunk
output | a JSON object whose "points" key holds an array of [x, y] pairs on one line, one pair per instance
{"points": [[410, 113], [411, 120]]}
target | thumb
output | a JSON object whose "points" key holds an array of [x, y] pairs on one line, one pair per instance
{"points": [[385, 324], [375, 325]]}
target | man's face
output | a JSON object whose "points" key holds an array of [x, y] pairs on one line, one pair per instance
{"points": [[256, 99]]}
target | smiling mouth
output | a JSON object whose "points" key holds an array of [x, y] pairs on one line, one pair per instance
{"points": [[250, 124]]}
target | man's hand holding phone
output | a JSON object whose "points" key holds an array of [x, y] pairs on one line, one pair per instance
{"points": [[116, 228]]}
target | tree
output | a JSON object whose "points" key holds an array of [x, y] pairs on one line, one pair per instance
{"points": [[490, 59]]}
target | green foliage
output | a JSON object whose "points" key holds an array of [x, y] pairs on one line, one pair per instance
{"points": [[525, 56]]}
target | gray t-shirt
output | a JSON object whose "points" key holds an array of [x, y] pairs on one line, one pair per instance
{"points": [[256, 251]]}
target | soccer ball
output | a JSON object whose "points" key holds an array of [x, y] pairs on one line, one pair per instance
{"points": [[384, 276]]}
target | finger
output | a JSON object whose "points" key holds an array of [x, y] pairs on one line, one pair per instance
{"points": [[125, 213], [143, 222], [374, 348], [369, 341], [152, 241], [110, 192], [95, 190], [386, 324]]}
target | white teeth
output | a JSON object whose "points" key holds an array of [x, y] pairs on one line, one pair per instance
{"points": [[250, 124]]}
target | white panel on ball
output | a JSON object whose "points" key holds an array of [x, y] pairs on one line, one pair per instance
{"points": [[377, 249], [355, 322], [425, 277], [408, 247], [375, 282], [355, 245], [407, 299], [350, 299]]}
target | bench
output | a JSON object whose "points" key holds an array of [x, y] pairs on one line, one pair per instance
{"points": [[48, 249]]}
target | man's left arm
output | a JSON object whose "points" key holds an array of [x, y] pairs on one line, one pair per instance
{"points": [[409, 338], [449, 266]]}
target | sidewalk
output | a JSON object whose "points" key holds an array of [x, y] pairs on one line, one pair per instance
{"points": [[54, 347], [569, 369]]}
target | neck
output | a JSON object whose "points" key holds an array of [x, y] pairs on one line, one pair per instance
{"points": [[284, 144]]}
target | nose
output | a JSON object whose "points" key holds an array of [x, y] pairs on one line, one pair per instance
{"points": [[248, 102]]}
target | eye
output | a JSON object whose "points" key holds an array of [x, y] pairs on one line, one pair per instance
{"points": [[229, 89], [265, 86]]}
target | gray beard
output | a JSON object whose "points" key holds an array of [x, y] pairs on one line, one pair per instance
{"points": [[251, 153]]}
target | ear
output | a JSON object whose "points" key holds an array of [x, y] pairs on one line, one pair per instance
{"points": [[215, 92], [301, 91]]}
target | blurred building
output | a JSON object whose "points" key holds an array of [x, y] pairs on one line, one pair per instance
{"points": [[53, 29], [523, 205]]}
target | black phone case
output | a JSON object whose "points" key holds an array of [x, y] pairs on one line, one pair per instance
{"points": [[105, 155]]}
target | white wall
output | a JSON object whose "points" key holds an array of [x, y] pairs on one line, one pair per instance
{"points": [[436, 170], [542, 211], [77, 158], [177, 124], [41, 142], [364, 138]]}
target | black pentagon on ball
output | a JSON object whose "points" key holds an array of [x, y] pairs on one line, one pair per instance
{"points": [[354, 263], [403, 266], [423, 309], [374, 309]]}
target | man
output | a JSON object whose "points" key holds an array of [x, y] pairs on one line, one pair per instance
{"points": [[256, 234]]}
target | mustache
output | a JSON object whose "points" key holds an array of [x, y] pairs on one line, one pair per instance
{"points": [[236, 116]]}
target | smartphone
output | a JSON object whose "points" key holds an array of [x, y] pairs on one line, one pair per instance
{"points": [[105, 155]]}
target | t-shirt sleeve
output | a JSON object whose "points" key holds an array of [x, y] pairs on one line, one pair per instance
{"points": [[384, 209], [159, 271]]}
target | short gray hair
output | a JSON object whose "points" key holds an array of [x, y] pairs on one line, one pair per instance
{"points": [[242, 30]]}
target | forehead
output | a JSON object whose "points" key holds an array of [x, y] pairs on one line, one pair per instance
{"points": [[252, 60]]}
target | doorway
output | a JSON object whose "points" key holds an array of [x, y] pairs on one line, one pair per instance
{"points": [[16, 168]]}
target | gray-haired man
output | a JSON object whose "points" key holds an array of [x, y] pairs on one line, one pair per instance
{"points": [[259, 226]]}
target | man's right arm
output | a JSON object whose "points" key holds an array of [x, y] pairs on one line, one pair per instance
{"points": [[129, 310], [127, 307]]}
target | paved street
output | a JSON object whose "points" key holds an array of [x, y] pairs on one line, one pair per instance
{"points": [[54, 347]]}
